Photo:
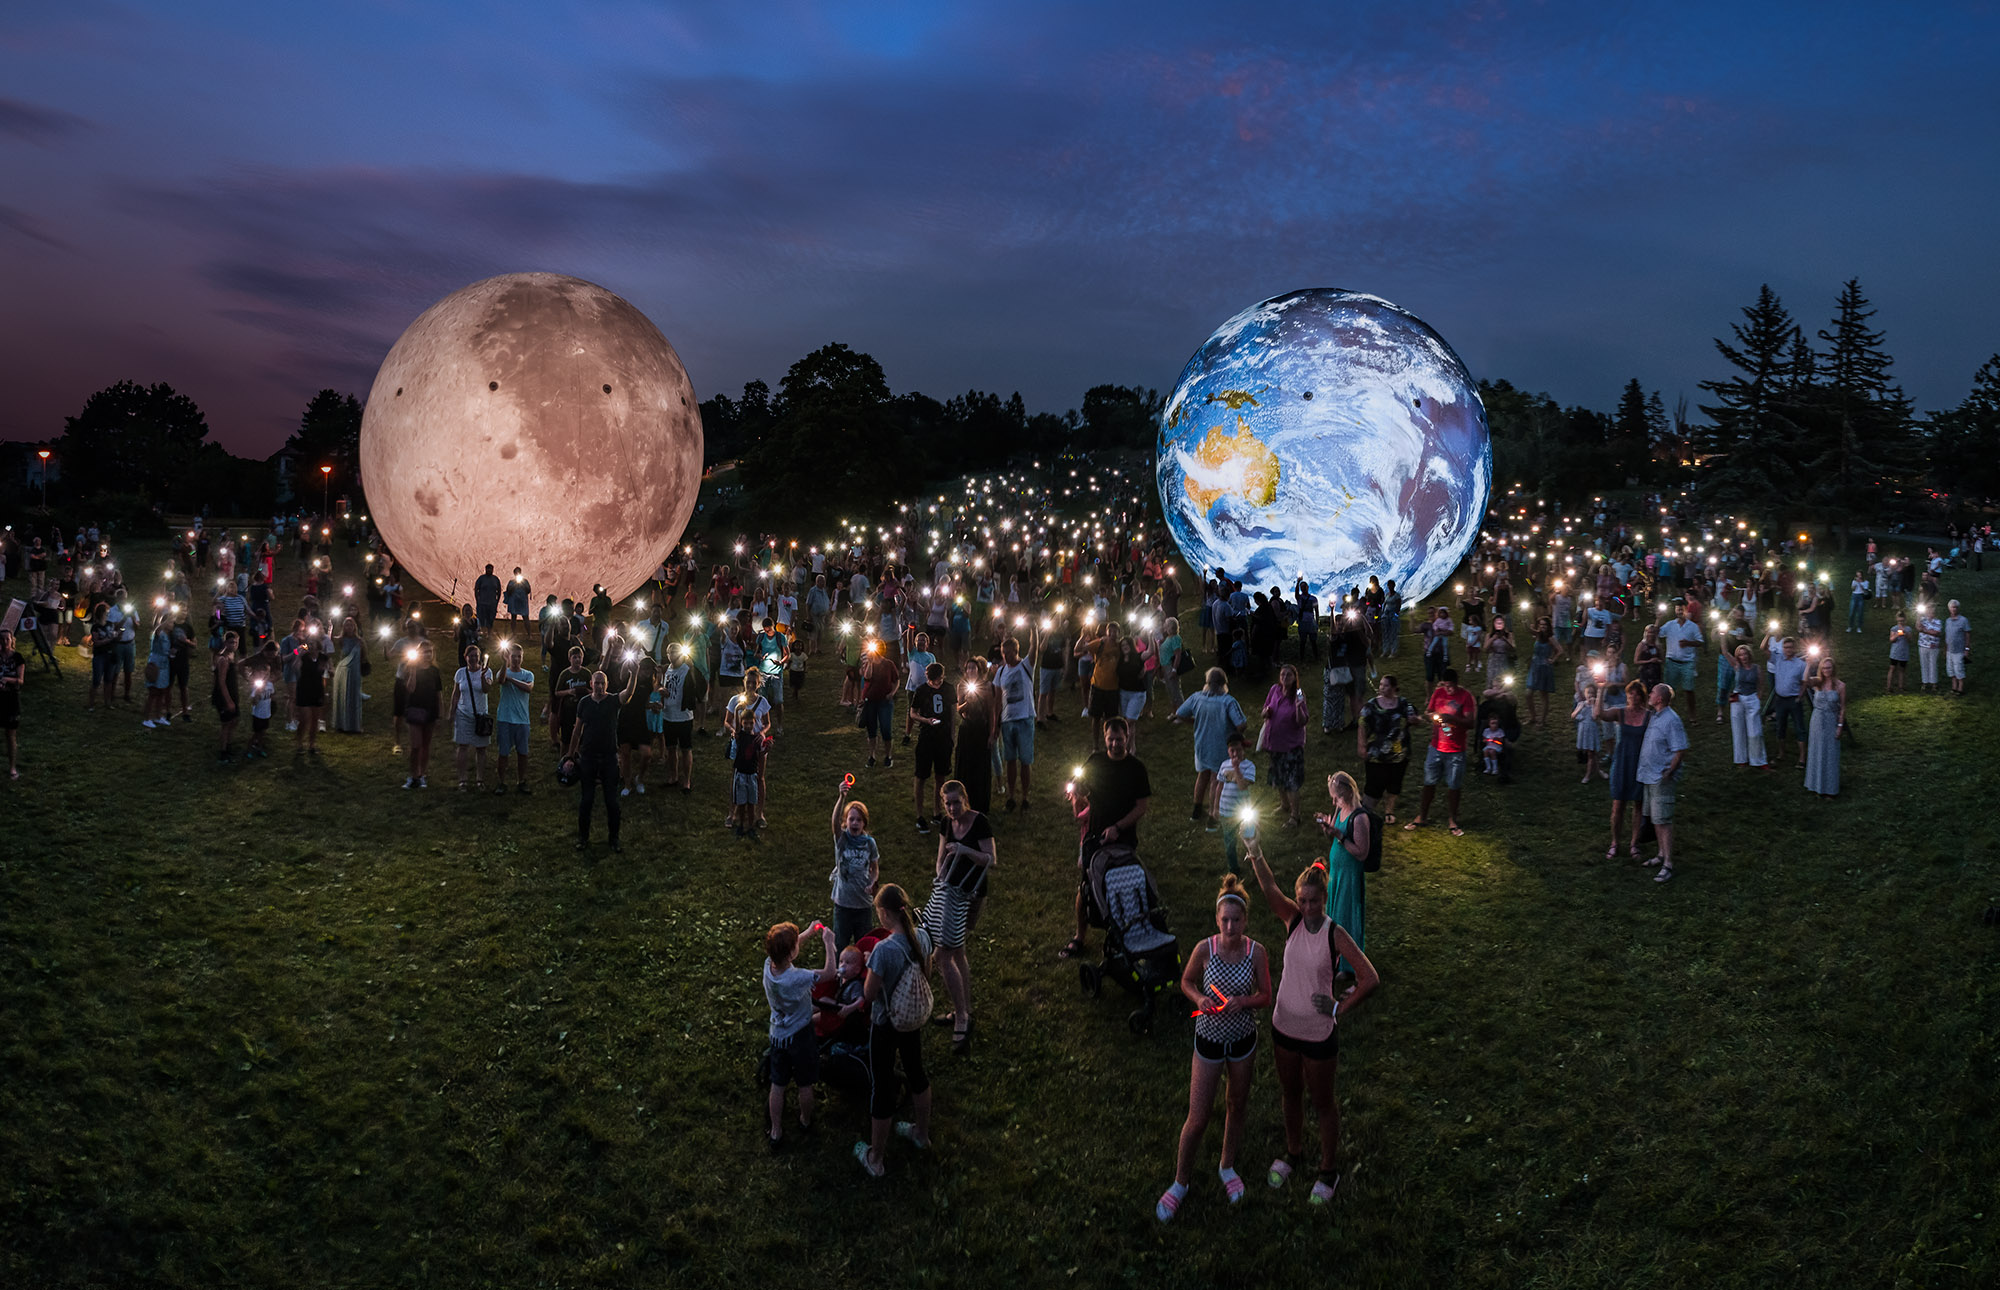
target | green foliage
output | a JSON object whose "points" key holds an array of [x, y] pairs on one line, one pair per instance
{"points": [[1964, 442], [1856, 426], [1119, 417], [1565, 452], [329, 434], [1750, 449], [133, 438]]}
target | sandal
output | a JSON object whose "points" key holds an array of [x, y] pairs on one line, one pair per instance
{"points": [[1611, 852], [1322, 1192], [1414, 825], [1168, 1206], [875, 1170], [1655, 860], [1281, 1170], [907, 1130], [1666, 872], [1457, 832], [1232, 1184], [1074, 949]]}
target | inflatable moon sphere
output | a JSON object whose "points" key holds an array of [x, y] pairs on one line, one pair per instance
{"points": [[1326, 435], [531, 420]]}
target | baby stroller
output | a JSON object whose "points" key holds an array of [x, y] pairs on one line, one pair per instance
{"points": [[1139, 952]]}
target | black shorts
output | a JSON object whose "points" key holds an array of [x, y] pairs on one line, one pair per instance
{"points": [[1383, 778], [1235, 1050], [796, 1060], [1313, 1050], [640, 738], [933, 759], [177, 670], [678, 734], [258, 725], [397, 698], [1104, 703]]}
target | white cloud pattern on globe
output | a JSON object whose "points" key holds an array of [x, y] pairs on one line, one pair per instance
{"points": [[1329, 435]]}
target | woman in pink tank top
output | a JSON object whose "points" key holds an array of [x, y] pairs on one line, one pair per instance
{"points": [[1305, 1019]]}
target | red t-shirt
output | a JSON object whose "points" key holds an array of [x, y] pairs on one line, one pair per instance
{"points": [[882, 678], [1455, 702]]}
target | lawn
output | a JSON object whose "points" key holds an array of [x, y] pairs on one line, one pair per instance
{"points": [[283, 1023]]}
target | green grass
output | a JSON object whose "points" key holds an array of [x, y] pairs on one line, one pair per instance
{"points": [[283, 1023]]}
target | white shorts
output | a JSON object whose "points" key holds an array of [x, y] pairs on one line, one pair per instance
{"points": [[1954, 665]]}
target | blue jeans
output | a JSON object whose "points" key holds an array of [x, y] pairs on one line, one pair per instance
{"points": [[1855, 607]]}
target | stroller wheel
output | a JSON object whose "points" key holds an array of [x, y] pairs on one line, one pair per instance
{"points": [[1090, 979], [1140, 1022]]}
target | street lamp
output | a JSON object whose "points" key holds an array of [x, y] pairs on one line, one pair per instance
{"points": [[44, 455], [325, 480]]}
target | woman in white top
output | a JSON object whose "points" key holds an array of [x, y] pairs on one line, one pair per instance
{"points": [[469, 702], [1305, 1019]]}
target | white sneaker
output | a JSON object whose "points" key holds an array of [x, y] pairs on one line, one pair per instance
{"points": [[322, 727], [411, 782], [642, 788], [624, 792], [291, 725], [148, 724]]}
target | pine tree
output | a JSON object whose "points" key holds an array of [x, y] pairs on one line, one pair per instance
{"points": [[1860, 422], [1660, 445], [1964, 442], [1746, 451], [1630, 432]]}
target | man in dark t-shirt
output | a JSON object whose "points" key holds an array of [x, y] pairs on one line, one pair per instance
{"points": [[594, 745], [1114, 792], [933, 705]]}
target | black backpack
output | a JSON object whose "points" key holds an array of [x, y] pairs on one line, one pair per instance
{"points": [[1373, 862]]}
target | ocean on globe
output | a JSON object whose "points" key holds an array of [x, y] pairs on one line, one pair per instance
{"points": [[1325, 435]]}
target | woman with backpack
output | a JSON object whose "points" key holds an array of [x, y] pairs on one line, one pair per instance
{"points": [[1305, 1020], [1353, 831], [898, 992]]}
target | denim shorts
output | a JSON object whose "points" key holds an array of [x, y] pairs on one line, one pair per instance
{"points": [[513, 737], [1017, 740], [1444, 766]]}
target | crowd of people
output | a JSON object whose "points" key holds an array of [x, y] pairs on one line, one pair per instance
{"points": [[961, 634]]}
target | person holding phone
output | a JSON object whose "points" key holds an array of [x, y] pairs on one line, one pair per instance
{"points": [[1305, 1019], [1285, 714], [309, 691]]}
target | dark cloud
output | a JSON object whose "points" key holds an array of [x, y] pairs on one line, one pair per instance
{"points": [[19, 222], [34, 124]]}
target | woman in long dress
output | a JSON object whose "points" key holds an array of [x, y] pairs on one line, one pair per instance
{"points": [[1346, 870], [348, 655], [1829, 723], [1624, 773]]}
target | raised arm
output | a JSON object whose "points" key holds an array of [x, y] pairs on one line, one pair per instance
{"points": [[1283, 907]]}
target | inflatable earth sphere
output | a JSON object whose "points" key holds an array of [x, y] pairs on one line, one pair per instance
{"points": [[1325, 435]]}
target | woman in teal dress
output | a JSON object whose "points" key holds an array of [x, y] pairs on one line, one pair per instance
{"points": [[1346, 877], [349, 655]]}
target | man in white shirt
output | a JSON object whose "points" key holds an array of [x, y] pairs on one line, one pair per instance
{"points": [[1788, 671], [1681, 637], [1014, 682]]}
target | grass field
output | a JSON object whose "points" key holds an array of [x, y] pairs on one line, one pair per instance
{"points": [[282, 1023]]}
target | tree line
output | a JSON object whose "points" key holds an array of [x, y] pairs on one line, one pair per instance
{"points": [[1790, 429]]}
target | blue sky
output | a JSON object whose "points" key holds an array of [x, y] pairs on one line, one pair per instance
{"points": [[251, 201]]}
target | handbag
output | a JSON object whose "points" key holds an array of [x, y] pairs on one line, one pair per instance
{"points": [[1183, 662], [910, 1003], [482, 722]]}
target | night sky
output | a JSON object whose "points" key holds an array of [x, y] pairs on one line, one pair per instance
{"points": [[250, 201]]}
